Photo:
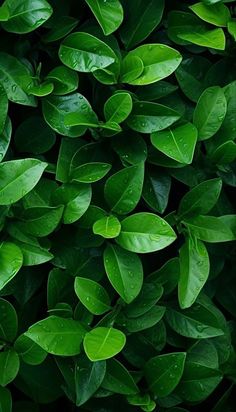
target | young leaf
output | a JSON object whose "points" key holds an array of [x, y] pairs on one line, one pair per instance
{"points": [[118, 107], [108, 227], [58, 336], [93, 296], [194, 271], [145, 233], [103, 343], [124, 271], [216, 14]]}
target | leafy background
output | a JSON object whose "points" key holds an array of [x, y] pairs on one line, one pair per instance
{"points": [[117, 177]]}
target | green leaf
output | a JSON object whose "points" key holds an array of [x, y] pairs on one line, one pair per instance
{"points": [[123, 189], [118, 107], [11, 261], [164, 372], [88, 378], [156, 189], [194, 271], [5, 138], [216, 14], [60, 28], [141, 19], [151, 117], [224, 154], [3, 108], [232, 28], [201, 199], [18, 177], [184, 28], [132, 150], [197, 322], [29, 351], [103, 343], [56, 109], [9, 366], [58, 336], [85, 53], [109, 14], [209, 229], [190, 76], [93, 296], [147, 298], [145, 321], [15, 77], [8, 321], [40, 221], [89, 172], [76, 198], [159, 61], [178, 142], [131, 68], [64, 80], [4, 13], [124, 271], [5, 400], [210, 112], [67, 150], [118, 379], [145, 233], [24, 16], [107, 227]]}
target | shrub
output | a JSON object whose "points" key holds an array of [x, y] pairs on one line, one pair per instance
{"points": [[117, 176]]}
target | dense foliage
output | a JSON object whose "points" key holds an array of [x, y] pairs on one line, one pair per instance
{"points": [[117, 177]]}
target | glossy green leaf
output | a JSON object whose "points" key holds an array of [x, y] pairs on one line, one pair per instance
{"points": [[85, 53], [145, 233], [109, 14], [159, 61], [18, 177], [123, 189], [184, 28], [15, 78], [201, 199], [232, 28], [93, 296], [108, 227], [40, 221], [64, 80], [210, 112], [89, 172], [145, 321], [56, 109], [60, 28], [164, 372], [178, 142], [151, 117], [141, 19], [3, 108], [25, 16], [118, 107], [194, 271], [9, 366], [210, 229], [88, 378], [103, 343], [224, 154], [147, 298], [5, 138], [58, 336], [217, 14], [124, 271], [11, 261], [76, 198], [156, 189], [131, 68], [118, 379], [197, 322], [8, 321], [29, 351]]}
